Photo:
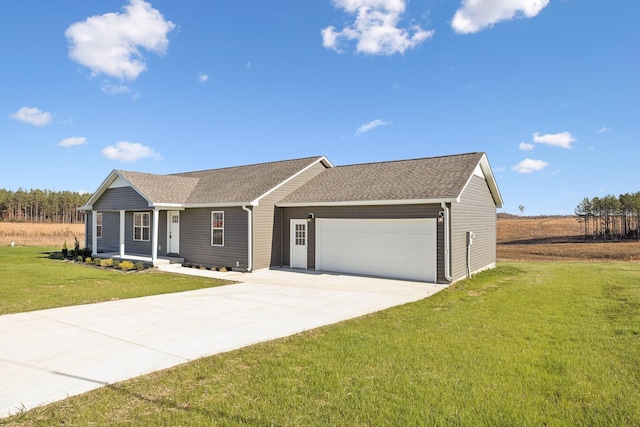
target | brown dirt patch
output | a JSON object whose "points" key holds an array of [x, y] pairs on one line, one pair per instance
{"points": [[556, 239]]}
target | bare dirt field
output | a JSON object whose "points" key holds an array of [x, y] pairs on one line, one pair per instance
{"points": [[554, 239], [40, 234]]}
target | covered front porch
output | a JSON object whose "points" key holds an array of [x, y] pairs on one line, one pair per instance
{"points": [[149, 236]]}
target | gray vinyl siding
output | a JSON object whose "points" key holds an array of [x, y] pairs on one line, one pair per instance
{"points": [[357, 212], [122, 198], [88, 237], [136, 247], [110, 240], [476, 212], [162, 233], [266, 237], [195, 238]]}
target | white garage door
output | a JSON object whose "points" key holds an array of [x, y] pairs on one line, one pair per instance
{"points": [[400, 248]]}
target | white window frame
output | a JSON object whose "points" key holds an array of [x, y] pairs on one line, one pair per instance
{"points": [[142, 227], [218, 228], [99, 225]]}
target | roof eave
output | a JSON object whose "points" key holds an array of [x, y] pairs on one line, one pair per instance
{"points": [[491, 181], [217, 205], [371, 202]]}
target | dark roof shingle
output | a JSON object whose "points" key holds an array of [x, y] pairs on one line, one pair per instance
{"points": [[241, 184], [417, 179]]}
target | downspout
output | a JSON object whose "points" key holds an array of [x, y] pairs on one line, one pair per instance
{"points": [[249, 237], [447, 243]]}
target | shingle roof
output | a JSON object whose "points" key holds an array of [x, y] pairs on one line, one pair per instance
{"points": [[241, 184], [161, 188], [431, 178]]}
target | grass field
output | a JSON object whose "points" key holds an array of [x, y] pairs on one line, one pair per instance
{"points": [[29, 280], [40, 234], [528, 343], [525, 344]]}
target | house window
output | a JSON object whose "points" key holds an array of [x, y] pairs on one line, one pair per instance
{"points": [[99, 225], [217, 228], [301, 234], [141, 226]]}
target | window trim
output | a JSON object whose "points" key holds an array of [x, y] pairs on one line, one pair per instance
{"points": [[142, 226], [213, 229], [99, 225]]}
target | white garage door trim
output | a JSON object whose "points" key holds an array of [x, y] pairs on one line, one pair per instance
{"points": [[399, 248]]}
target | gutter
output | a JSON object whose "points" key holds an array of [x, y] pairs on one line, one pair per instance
{"points": [[447, 243], [249, 237]]}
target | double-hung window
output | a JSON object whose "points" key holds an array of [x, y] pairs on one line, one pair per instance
{"points": [[99, 225], [217, 228], [141, 226]]}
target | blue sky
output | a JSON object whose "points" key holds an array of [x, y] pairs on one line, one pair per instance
{"points": [[548, 88]]}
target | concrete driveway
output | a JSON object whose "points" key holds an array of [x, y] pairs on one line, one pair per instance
{"points": [[48, 355]]}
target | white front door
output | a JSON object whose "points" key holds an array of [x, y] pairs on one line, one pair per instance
{"points": [[299, 243], [173, 232]]}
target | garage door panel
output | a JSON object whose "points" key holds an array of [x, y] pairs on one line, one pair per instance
{"points": [[402, 248]]}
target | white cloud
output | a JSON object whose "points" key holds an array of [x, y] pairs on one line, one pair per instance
{"points": [[370, 126], [111, 43], [126, 151], [203, 77], [529, 165], [32, 116], [115, 89], [562, 139], [524, 146], [74, 141], [375, 29], [603, 129], [476, 15]]}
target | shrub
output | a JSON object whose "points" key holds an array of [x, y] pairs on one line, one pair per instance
{"points": [[116, 263], [79, 258], [106, 262], [223, 269], [97, 261], [88, 260], [126, 265], [139, 265]]}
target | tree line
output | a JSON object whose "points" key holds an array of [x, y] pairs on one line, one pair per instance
{"points": [[610, 217], [42, 205]]}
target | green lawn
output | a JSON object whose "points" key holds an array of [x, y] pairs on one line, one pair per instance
{"points": [[29, 280], [526, 344]]}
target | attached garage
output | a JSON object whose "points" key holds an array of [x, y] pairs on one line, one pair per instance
{"points": [[405, 219], [400, 248]]}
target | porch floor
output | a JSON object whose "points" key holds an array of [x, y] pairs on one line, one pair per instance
{"points": [[161, 260]]}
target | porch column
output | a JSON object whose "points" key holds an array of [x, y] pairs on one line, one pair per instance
{"points": [[122, 219], [94, 234], [154, 236]]}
